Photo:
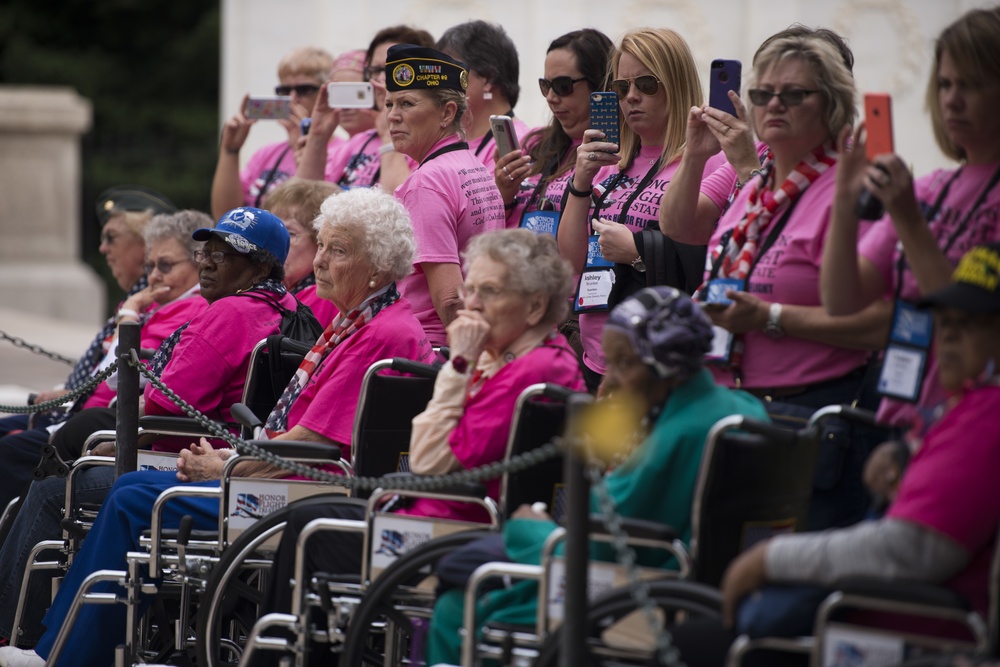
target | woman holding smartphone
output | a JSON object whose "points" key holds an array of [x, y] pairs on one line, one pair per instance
{"points": [[933, 220], [625, 183], [535, 178]]}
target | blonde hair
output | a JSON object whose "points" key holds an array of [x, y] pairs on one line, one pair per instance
{"points": [[826, 62], [973, 43], [664, 53], [306, 61], [303, 197]]}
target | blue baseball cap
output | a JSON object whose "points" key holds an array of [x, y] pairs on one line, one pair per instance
{"points": [[247, 229]]}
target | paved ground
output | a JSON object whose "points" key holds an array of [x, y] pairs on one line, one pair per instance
{"points": [[22, 371]]}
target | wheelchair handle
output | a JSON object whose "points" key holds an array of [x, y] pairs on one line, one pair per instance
{"points": [[245, 416], [558, 392], [184, 529], [779, 434], [414, 368]]}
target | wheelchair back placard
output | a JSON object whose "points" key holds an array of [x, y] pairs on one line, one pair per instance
{"points": [[149, 460], [601, 578], [250, 500], [394, 535]]}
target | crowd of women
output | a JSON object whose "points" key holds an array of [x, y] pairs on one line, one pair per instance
{"points": [[706, 263]]}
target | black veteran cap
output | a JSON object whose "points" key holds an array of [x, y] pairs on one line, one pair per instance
{"points": [[408, 67], [975, 284], [131, 198]]}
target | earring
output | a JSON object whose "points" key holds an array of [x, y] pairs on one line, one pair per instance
{"points": [[372, 283], [487, 95]]}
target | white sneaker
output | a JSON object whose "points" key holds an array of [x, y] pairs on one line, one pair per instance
{"points": [[11, 656]]}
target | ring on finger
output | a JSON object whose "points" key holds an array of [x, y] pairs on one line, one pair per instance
{"points": [[505, 170], [592, 156], [726, 131]]}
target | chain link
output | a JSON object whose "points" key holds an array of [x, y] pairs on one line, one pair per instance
{"points": [[37, 349], [625, 555], [79, 392], [422, 483]]}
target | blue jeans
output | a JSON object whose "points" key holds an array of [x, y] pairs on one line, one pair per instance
{"points": [[38, 520], [20, 453], [126, 513]]}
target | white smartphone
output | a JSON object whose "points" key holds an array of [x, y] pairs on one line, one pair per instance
{"points": [[504, 134], [269, 107], [350, 95]]}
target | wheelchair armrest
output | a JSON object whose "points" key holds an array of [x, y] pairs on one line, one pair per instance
{"points": [[290, 449], [903, 591], [464, 489], [171, 423], [245, 416], [558, 392], [414, 368], [296, 346], [637, 528]]}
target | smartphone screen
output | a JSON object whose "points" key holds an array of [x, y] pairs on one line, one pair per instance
{"points": [[605, 116], [725, 76], [504, 134], [269, 108], [878, 124]]}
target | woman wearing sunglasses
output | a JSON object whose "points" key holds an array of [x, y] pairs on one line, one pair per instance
{"points": [[534, 179], [301, 73], [625, 184], [773, 337]]}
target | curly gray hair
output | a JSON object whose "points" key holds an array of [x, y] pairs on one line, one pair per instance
{"points": [[179, 225], [533, 266], [384, 223]]}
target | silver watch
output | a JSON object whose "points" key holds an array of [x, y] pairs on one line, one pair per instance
{"points": [[773, 326]]}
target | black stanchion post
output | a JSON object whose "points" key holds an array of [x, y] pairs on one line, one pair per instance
{"points": [[577, 530], [127, 429]]}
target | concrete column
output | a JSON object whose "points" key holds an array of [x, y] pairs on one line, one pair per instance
{"points": [[40, 268]]}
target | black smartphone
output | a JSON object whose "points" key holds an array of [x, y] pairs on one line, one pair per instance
{"points": [[605, 115], [725, 76]]}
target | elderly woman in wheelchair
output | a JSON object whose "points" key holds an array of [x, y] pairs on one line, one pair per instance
{"points": [[941, 526], [366, 245], [503, 341], [654, 342]]}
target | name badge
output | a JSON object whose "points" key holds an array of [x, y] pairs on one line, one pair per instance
{"points": [[722, 346], [593, 290], [904, 363], [541, 222]]}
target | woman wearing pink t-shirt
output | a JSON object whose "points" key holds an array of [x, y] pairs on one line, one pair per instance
{"points": [[625, 184], [930, 221], [451, 196], [301, 73]]}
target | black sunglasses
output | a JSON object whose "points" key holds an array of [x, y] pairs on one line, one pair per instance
{"points": [[374, 73], [647, 84], [789, 98], [563, 85], [301, 89]]}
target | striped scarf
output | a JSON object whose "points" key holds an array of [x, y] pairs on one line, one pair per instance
{"points": [[340, 329], [763, 204]]}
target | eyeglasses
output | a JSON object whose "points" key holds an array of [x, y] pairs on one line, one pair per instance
{"points": [[374, 72], [789, 98], [216, 256], [485, 292], [562, 85], [647, 84], [107, 238], [301, 89], [164, 266]]}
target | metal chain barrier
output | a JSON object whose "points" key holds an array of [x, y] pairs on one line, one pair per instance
{"points": [[82, 390], [429, 483], [637, 587], [20, 342]]}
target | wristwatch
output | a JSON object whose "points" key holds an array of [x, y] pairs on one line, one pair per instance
{"points": [[773, 326], [638, 264], [460, 364]]}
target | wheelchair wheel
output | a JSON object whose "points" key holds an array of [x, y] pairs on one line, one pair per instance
{"points": [[385, 612], [616, 631], [231, 602]]}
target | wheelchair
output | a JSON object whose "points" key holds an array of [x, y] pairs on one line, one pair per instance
{"points": [[371, 619], [750, 485], [272, 363]]}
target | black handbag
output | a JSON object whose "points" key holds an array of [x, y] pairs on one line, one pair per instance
{"points": [[667, 263]]}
